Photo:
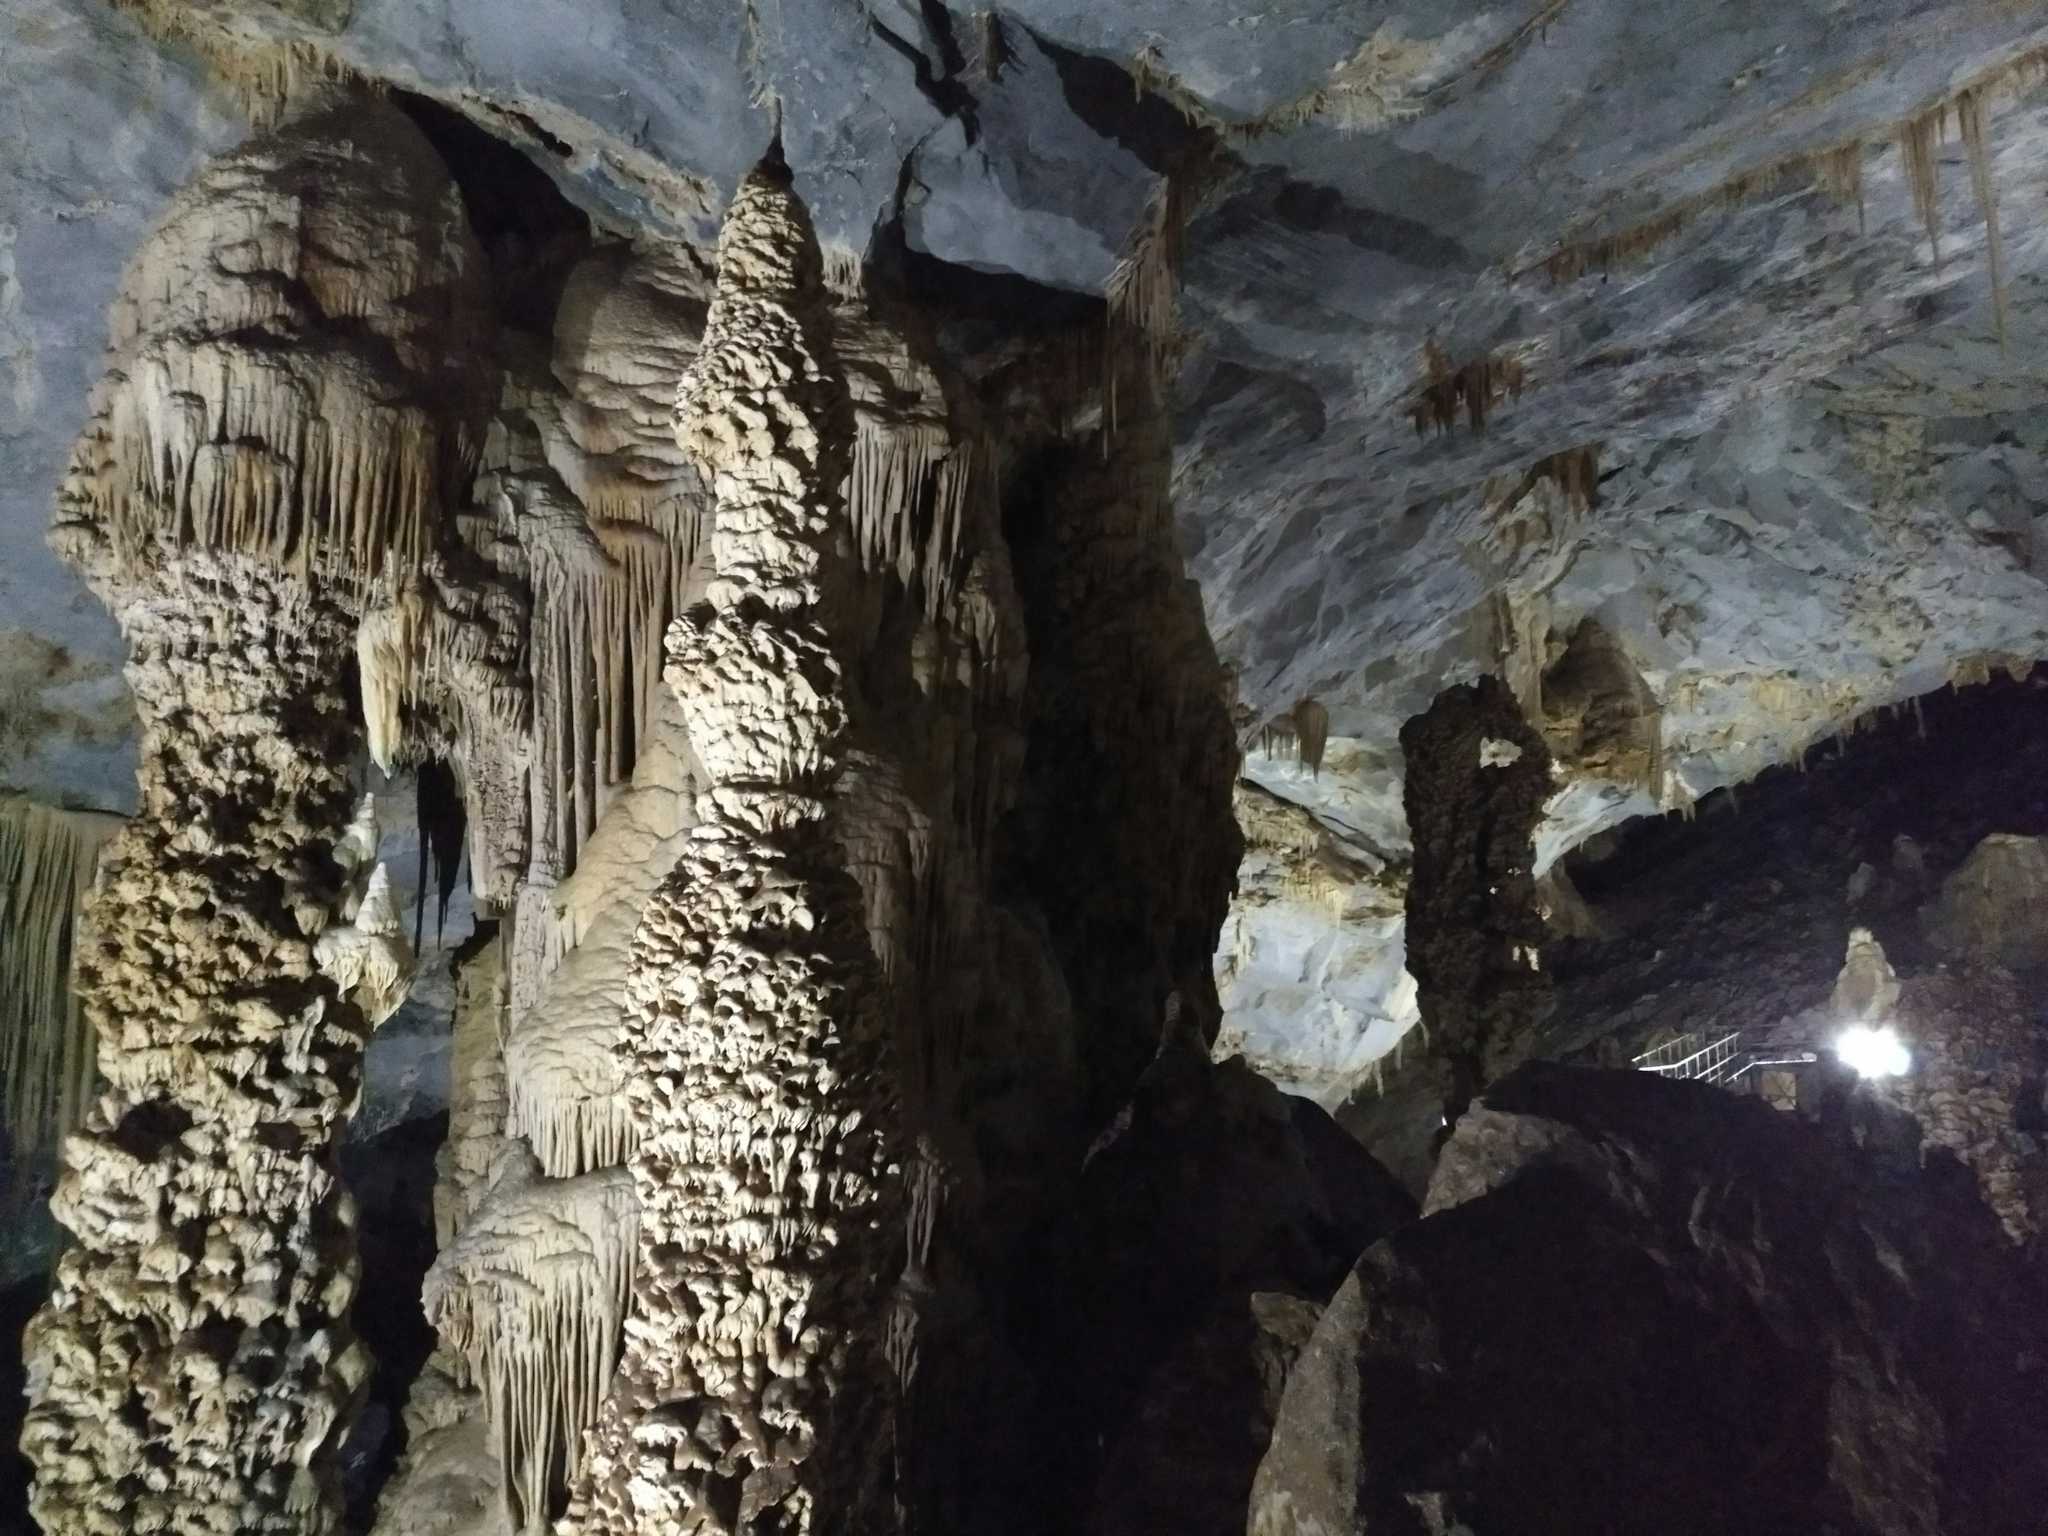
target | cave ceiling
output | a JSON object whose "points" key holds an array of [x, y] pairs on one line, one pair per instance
{"points": [[1784, 448]]}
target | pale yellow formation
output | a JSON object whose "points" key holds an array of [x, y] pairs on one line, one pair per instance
{"points": [[48, 858], [288, 408], [761, 1085]]}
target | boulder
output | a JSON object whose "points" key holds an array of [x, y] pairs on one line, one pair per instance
{"points": [[1637, 1305], [1994, 910], [1210, 1187], [1184, 1461]]}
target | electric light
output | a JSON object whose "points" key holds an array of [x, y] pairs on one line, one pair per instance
{"points": [[1873, 1051]]}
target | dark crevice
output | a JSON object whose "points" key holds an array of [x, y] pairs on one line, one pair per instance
{"points": [[530, 233], [943, 91]]}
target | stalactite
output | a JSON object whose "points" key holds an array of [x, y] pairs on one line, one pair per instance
{"points": [[442, 817], [749, 1390], [1598, 716], [1473, 387], [1312, 730], [611, 515], [1574, 471], [48, 858], [1840, 173], [1918, 136], [444, 663], [391, 652], [1144, 286], [909, 496], [531, 1296], [1835, 168], [1970, 118], [302, 456], [603, 600]]}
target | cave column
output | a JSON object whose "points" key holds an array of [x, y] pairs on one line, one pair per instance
{"points": [[1477, 777], [194, 1368], [751, 1391], [290, 404]]}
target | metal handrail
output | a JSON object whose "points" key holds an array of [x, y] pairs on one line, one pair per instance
{"points": [[1710, 1058]]}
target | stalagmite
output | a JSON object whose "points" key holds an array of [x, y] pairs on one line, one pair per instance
{"points": [[47, 861], [1473, 910], [1866, 988], [453, 1479], [747, 1397], [194, 1368], [366, 956], [286, 408]]}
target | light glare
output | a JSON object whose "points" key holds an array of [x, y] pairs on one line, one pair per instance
{"points": [[1873, 1052]]}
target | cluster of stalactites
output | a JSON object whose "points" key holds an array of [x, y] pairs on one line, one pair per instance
{"points": [[531, 1298], [443, 663], [1303, 732], [47, 861], [194, 1370], [293, 361], [760, 1076]]}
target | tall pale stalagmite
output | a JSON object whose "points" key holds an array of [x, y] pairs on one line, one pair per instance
{"points": [[748, 1394], [281, 419]]}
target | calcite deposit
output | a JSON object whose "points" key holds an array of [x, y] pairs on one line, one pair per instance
{"points": [[761, 1084], [1139, 534], [284, 411]]}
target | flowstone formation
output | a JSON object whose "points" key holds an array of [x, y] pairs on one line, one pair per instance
{"points": [[48, 858], [1478, 775], [284, 411], [762, 1084]]}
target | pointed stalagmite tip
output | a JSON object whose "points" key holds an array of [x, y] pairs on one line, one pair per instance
{"points": [[774, 165]]}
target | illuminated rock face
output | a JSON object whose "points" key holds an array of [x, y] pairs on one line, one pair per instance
{"points": [[284, 412], [761, 1083], [194, 1369]]}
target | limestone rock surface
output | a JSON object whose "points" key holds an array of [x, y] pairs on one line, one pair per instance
{"points": [[1622, 1285]]}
